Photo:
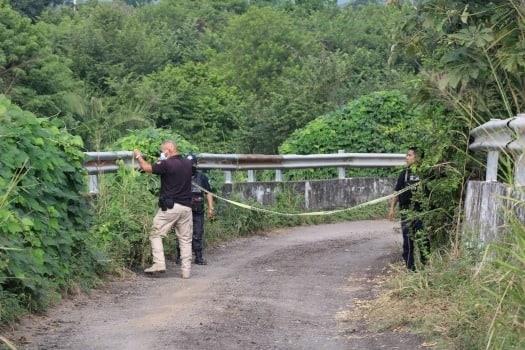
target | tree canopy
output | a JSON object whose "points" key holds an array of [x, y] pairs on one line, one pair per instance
{"points": [[229, 75]]}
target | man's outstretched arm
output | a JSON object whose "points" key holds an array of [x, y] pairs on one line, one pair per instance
{"points": [[145, 166]]}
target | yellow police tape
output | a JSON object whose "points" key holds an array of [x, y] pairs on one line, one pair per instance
{"points": [[313, 213]]}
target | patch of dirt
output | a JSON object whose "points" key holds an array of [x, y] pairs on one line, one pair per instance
{"points": [[290, 290]]}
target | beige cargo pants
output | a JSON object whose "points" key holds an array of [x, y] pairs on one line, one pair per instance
{"points": [[179, 217]]}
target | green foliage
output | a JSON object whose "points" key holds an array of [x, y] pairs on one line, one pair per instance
{"points": [[43, 217], [227, 75], [467, 53], [101, 121], [372, 123], [123, 215], [470, 57], [472, 52], [261, 43], [197, 102], [31, 75], [293, 67], [32, 8], [149, 140], [108, 42]]}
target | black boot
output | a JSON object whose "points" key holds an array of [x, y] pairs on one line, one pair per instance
{"points": [[199, 260]]}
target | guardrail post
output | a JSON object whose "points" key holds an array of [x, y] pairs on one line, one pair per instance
{"points": [[228, 177], [251, 175], [341, 172], [278, 175], [93, 184], [492, 166], [519, 170], [518, 147]]}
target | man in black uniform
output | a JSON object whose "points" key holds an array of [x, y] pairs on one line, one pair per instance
{"points": [[409, 226], [197, 207]]}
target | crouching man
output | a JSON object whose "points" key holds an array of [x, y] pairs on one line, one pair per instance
{"points": [[175, 205]]}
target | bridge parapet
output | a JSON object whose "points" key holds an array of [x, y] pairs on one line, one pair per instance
{"points": [[487, 203], [98, 163]]}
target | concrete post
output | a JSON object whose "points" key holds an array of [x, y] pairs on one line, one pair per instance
{"points": [[341, 172], [93, 184], [228, 177], [278, 175], [492, 166], [307, 190], [519, 170], [251, 175]]}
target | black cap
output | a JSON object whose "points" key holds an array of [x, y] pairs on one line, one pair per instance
{"points": [[193, 158]]}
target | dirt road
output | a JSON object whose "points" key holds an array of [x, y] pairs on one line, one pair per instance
{"points": [[278, 291]]}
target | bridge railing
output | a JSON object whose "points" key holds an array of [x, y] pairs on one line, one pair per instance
{"points": [[501, 135], [97, 163], [488, 202]]}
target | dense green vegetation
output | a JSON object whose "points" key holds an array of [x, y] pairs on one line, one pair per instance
{"points": [[44, 242], [378, 122], [225, 75], [471, 59], [248, 76]]}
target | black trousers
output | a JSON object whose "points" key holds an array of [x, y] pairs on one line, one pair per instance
{"points": [[410, 230], [197, 243]]}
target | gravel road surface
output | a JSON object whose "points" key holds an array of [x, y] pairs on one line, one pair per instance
{"points": [[281, 290]]}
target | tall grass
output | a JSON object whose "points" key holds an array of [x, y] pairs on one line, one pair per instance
{"points": [[471, 300]]}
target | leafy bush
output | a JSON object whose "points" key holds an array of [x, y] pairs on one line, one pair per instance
{"points": [[381, 122], [149, 140], [44, 242], [196, 101], [124, 210], [372, 123], [31, 74]]}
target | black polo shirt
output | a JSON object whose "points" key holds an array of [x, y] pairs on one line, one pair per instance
{"points": [[175, 179], [406, 178]]}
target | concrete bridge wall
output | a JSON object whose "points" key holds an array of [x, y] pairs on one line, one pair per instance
{"points": [[488, 207], [317, 194], [487, 204]]}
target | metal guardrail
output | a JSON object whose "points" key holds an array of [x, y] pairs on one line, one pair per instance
{"points": [[107, 162], [282, 162], [501, 135]]}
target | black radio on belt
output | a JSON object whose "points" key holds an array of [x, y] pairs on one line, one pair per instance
{"points": [[166, 203]]}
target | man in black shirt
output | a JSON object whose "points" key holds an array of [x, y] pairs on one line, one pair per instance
{"points": [[174, 203], [409, 227]]}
